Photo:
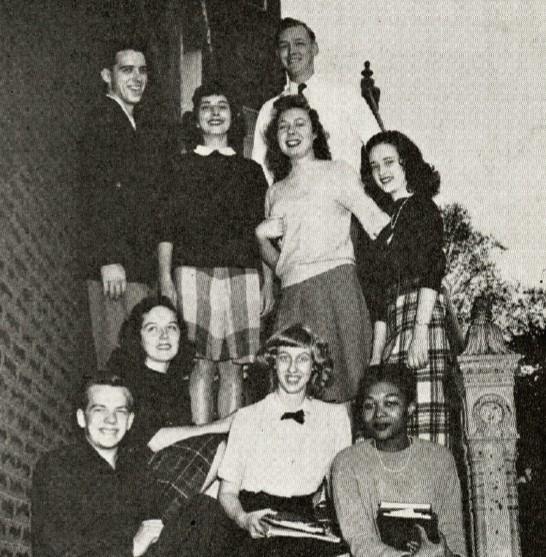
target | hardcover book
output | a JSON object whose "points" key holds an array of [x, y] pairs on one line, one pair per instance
{"points": [[297, 526], [397, 524]]}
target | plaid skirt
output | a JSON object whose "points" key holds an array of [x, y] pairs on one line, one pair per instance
{"points": [[221, 309], [179, 471], [333, 306], [431, 420]]}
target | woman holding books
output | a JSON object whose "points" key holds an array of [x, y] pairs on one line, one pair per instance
{"points": [[393, 467], [409, 312], [280, 449]]}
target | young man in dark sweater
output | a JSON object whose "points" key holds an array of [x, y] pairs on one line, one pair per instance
{"points": [[92, 499]]}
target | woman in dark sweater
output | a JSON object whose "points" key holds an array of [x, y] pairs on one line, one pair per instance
{"points": [[182, 458], [409, 310], [208, 257]]}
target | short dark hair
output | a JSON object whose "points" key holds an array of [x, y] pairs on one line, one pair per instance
{"points": [[299, 336], [192, 134], [102, 377], [421, 177], [397, 374], [288, 22], [275, 159], [119, 44]]}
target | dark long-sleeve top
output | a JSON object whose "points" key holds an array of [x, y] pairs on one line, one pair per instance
{"points": [[161, 399], [82, 507], [414, 255], [211, 209], [121, 174]]}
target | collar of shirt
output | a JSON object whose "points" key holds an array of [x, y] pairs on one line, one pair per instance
{"points": [[205, 151], [291, 87], [277, 409], [131, 118]]}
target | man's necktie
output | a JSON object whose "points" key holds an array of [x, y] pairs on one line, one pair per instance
{"points": [[301, 89], [298, 416]]}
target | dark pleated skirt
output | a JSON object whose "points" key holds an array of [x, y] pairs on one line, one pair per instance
{"points": [[333, 306]]}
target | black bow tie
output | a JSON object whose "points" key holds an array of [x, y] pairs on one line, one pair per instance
{"points": [[301, 89], [298, 416]]}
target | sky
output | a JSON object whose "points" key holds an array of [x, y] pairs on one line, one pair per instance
{"points": [[467, 82]]}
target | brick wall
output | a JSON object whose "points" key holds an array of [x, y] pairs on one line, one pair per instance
{"points": [[49, 63], [46, 62]]}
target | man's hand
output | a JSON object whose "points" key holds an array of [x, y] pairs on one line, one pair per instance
{"points": [[147, 534], [114, 280], [253, 523]]}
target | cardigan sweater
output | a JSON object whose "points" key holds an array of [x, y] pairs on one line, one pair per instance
{"points": [[413, 257]]}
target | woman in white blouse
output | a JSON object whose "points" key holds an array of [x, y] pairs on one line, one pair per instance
{"points": [[281, 448]]}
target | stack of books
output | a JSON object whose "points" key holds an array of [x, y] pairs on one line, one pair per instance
{"points": [[397, 524], [297, 526]]}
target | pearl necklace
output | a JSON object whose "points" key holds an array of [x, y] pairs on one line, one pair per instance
{"points": [[397, 470]]}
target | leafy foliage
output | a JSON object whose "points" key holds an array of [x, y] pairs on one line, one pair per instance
{"points": [[521, 315], [471, 270]]}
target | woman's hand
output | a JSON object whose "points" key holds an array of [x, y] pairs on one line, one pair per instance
{"points": [[418, 348], [148, 533], [267, 300], [270, 228], [429, 549], [253, 523], [166, 287]]}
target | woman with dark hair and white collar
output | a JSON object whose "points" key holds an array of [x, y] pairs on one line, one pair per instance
{"points": [[208, 256]]}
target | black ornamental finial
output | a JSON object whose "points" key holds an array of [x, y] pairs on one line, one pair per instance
{"points": [[371, 93]]}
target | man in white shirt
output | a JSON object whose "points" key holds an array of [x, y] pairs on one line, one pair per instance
{"points": [[345, 116]]}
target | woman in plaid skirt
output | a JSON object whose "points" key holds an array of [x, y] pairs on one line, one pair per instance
{"points": [[409, 310], [154, 358]]}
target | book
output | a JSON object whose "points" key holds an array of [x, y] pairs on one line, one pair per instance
{"points": [[297, 526], [397, 522]]}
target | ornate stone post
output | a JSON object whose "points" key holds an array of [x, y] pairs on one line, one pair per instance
{"points": [[487, 369]]}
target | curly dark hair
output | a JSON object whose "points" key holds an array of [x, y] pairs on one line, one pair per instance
{"points": [[421, 177], [275, 159], [397, 374], [191, 133], [130, 352], [299, 336]]}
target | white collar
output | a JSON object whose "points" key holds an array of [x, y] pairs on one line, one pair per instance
{"points": [[278, 408], [205, 151], [131, 118], [291, 87]]}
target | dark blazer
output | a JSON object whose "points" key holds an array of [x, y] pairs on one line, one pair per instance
{"points": [[121, 174]]}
